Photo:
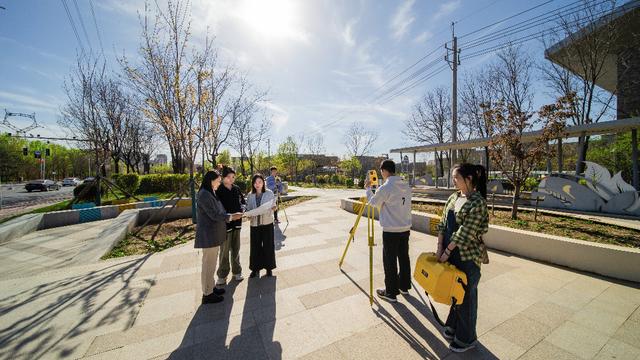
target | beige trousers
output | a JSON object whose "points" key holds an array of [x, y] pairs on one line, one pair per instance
{"points": [[209, 262]]}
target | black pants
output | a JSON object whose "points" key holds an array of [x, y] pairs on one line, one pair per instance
{"points": [[262, 254], [395, 253]]}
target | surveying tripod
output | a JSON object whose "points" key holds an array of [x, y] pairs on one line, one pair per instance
{"points": [[371, 211]]}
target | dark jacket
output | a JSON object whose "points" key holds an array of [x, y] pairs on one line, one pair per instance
{"points": [[233, 202], [211, 230]]}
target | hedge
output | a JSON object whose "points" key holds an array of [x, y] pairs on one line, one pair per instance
{"points": [[159, 183], [128, 182]]}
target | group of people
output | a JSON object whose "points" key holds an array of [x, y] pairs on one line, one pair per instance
{"points": [[221, 208], [465, 219]]}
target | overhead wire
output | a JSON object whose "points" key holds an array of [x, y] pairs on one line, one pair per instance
{"points": [[93, 15], [73, 25], [84, 29]]}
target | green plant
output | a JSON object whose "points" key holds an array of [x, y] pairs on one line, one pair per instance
{"points": [[349, 182], [128, 182], [531, 184], [158, 183]]}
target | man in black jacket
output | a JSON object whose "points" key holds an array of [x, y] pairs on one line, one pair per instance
{"points": [[233, 201]]}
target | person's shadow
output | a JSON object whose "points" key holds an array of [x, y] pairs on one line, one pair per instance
{"points": [[278, 237], [207, 333], [256, 342]]}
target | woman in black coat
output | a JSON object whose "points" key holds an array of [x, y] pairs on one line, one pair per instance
{"points": [[211, 231]]}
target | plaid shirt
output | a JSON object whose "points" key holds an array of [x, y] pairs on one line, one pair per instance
{"points": [[473, 218]]}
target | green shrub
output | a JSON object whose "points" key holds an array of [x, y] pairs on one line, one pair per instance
{"points": [[308, 179], [349, 183], [335, 179], [582, 182], [128, 182], [322, 180], [157, 183], [531, 184], [89, 195]]}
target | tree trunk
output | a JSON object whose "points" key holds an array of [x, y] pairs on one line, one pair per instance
{"points": [[116, 165], [583, 146], [486, 160], [514, 204]]}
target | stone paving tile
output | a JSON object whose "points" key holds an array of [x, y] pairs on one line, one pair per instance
{"points": [[548, 313], [598, 318], [545, 350], [618, 350], [322, 297], [500, 346], [578, 340], [629, 332], [522, 331]]}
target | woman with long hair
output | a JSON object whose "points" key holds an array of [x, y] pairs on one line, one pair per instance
{"points": [[464, 220], [260, 206], [211, 231]]}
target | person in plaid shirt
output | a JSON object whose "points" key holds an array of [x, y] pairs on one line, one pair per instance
{"points": [[464, 220]]}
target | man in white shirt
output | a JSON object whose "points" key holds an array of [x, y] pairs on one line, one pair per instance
{"points": [[393, 199]]}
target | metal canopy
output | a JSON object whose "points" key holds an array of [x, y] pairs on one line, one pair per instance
{"points": [[607, 127]]}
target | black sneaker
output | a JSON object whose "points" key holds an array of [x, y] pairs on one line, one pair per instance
{"points": [[404, 292], [219, 291], [459, 348], [382, 294], [448, 334], [269, 273], [211, 298], [254, 274]]}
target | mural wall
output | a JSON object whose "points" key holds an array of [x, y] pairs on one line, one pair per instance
{"points": [[602, 192]]}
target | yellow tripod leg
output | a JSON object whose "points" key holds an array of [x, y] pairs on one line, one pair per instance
{"points": [[370, 224], [352, 232]]}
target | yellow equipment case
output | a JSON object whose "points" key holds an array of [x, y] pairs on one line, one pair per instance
{"points": [[443, 281]]}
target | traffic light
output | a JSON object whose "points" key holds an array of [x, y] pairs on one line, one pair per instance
{"points": [[47, 152], [25, 151]]}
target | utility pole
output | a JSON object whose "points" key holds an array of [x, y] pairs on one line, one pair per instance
{"points": [[454, 61]]}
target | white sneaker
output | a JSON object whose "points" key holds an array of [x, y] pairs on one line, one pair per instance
{"points": [[221, 281], [238, 277]]}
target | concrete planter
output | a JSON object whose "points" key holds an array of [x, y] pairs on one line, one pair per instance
{"points": [[609, 260]]}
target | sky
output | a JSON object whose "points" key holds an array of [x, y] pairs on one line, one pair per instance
{"points": [[320, 60]]}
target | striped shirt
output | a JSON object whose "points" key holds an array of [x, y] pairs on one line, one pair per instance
{"points": [[473, 221]]}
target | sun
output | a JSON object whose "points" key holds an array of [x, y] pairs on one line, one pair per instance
{"points": [[273, 19]]}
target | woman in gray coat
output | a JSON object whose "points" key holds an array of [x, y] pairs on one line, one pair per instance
{"points": [[211, 231]]}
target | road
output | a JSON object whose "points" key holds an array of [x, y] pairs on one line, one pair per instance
{"points": [[15, 197]]}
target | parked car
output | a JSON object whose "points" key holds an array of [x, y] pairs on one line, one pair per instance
{"points": [[71, 181], [42, 185], [88, 179]]}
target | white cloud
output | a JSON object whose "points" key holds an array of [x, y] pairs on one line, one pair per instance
{"points": [[402, 20], [422, 38], [279, 116], [447, 8], [347, 33], [32, 102]]}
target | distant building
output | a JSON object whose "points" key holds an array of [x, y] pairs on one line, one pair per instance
{"points": [[160, 159]]}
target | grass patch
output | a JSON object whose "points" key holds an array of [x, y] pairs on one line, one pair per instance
{"points": [[171, 233], [570, 227], [322, 186]]}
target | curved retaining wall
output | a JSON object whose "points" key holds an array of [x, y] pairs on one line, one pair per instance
{"points": [[609, 260]]}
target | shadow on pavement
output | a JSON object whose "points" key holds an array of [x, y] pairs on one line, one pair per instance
{"points": [[212, 324], [56, 312]]}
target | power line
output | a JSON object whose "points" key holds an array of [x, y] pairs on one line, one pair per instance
{"points": [[580, 22], [93, 15], [505, 19], [526, 25], [84, 29], [414, 84], [73, 25]]}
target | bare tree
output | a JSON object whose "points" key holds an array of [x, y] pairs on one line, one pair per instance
{"points": [[359, 140], [512, 77], [315, 148], [248, 134], [478, 88], [588, 52], [430, 122], [167, 79], [82, 114]]}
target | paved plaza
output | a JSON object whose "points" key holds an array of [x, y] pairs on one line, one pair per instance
{"points": [[148, 307]]}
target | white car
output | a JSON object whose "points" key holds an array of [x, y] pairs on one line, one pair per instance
{"points": [[70, 181]]}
